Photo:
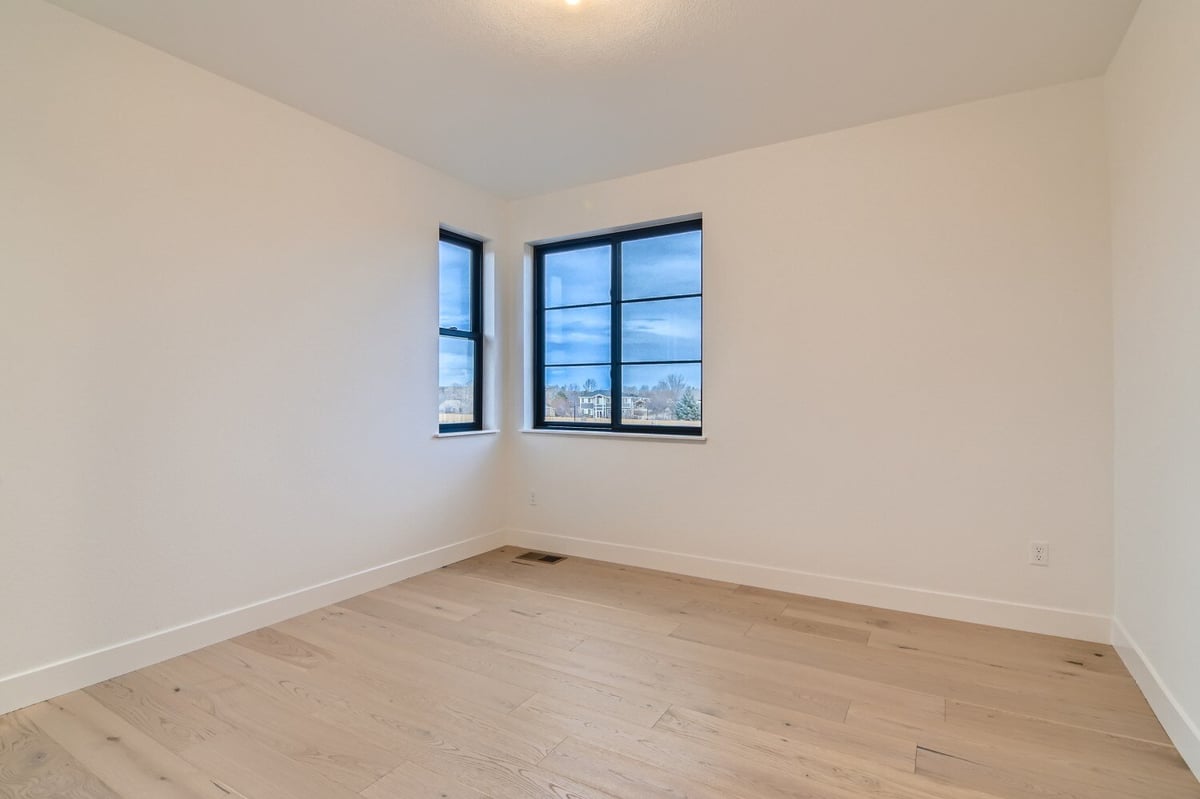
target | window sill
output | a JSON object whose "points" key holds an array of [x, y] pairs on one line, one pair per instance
{"points": [[607, 434], [462, 433]]}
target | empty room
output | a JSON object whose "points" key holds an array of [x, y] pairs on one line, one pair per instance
{"points": [[599, 399]]}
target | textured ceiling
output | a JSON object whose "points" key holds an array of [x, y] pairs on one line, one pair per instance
{"points": [[525, 96]]}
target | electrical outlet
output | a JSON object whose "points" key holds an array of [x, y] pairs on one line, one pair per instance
{"points": [[532, 498], [1039, 553]]}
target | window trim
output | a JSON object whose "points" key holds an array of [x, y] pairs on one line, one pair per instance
{"points": [[475, 334], [614, 240]]}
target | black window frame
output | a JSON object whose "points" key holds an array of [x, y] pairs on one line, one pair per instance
{"points": [[614, 240], [475, 334]]}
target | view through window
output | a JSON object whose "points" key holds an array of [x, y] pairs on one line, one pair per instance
{"points": [[619, 331], [460, 337]]}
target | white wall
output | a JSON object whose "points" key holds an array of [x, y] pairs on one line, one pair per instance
{"points": [[1153, 94], [907, 368], [217, 360], [217, 346]]}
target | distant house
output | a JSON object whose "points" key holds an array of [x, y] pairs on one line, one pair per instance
{"points": [[634, 407], [597, 405]]}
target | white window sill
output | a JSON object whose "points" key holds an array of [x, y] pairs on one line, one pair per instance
{"points": [[462, 433], [684, 439]]}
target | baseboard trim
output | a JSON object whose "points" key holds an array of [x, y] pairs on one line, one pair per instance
{"points": [[1181, 728], [980, 610], [55, 679]]}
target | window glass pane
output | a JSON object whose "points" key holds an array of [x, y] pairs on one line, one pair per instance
{"points": [[454, 286], [661, 266], [579, 394], [662, 330], [667, 395], [456, 380], [577, 277], [579, 335]]}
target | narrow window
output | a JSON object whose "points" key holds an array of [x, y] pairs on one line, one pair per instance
{"points": [[618, 329], [460, 334]]}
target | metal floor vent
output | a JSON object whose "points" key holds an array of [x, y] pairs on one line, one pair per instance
{"points": [[541, 557]]}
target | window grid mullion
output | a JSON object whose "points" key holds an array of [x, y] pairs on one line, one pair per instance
{"points": [[661, 363], [573, 307], [692, 296], [477, 329], [614, 374], [539, 337]]}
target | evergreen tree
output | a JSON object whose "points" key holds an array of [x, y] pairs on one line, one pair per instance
{"points": [[687, 409]]}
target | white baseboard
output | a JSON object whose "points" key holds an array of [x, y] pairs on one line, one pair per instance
{"points": [[1182, 729], [55, 679], [980, 610]]}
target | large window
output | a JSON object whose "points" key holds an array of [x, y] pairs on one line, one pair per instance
{"points": [[460, 334], [618, 332]]}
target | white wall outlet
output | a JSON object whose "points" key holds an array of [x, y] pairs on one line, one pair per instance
{"points": [[1039, 553], [532, 498]]}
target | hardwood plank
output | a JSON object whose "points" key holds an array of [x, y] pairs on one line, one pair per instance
{"points": [[1004, 766], [502, 778], [742, 661], [1039, 655], [1122, 714], [1011, 780], [366, 630], [380, 707], [907, 723], [283, 681], [497, 594], [771, 613], [368, 643], [422, 602], [675, 755], [1088, 756], [159, 712], [725, 695], [471, 630], [850, 775], [34, 766], [127, 760], [252, 770], [334, 752], [183, 673], [435, 718], [277, 644], [411, 781], [623, 776], [970, 681]]}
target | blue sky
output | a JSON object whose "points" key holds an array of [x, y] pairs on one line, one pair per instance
{"points": [[658, 330], [576, 277], [652, 331], [456, 357], [456, 360], [653, 267], [661, 266], [454, 286]]}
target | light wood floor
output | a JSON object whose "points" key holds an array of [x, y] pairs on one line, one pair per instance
{"points": [[585, 679]]}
